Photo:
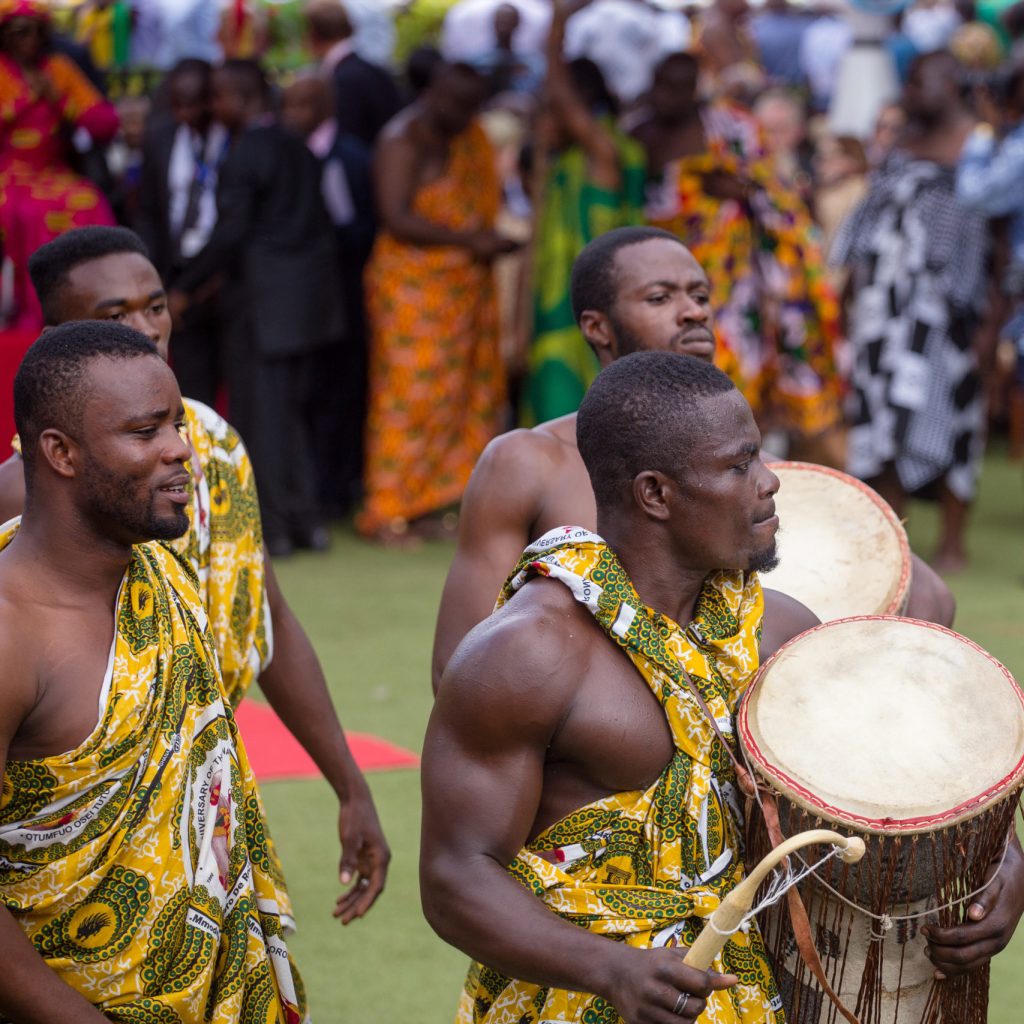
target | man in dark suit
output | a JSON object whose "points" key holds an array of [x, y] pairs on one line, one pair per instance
{"points": [[365, 95], [181, 156], [273, 241], [347, 189]]}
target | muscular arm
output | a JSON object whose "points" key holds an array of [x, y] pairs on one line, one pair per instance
{"points": [[295, 687], [784, 618], [29, 991], [503, 698], [930, 598], [499, 508]]}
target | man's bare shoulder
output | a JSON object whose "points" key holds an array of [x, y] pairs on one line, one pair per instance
{"points": [[17, 623], [784, 618], [401, 130], [532, 455], [534, 650]]}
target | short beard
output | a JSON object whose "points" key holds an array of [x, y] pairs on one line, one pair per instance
{"points": [[112, 503], [764, 561], [626, 341]]}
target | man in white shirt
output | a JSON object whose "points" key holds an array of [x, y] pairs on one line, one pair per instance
{"points": [[626, 39], [178, 212]]}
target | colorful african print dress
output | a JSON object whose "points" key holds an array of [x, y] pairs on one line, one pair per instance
{"points": [[575, 211], [225, 548], [40, 196], [437, 384], [139, 864], [776, 316], [647, 867]]}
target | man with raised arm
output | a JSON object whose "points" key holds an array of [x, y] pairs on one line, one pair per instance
{"points": [[135, 877]]}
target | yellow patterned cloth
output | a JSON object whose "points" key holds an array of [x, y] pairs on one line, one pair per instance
{"points": [[139, 864], [647, 867], [225, 548]]}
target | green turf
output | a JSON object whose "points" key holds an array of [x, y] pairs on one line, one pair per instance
{"points": [[370, 613]]}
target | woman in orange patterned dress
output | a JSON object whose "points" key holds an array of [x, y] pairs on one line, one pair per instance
{"points": [[437, 388], [41, 93]]}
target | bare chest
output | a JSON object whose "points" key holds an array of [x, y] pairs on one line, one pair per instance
{"points": [[70, 658], [615, 738]]}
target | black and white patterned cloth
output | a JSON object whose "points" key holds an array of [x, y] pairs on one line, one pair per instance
{"points": [[918, 261]]}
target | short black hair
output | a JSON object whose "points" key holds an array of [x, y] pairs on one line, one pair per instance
{"points": [[639, 415], [50, 265], [420, 66], [591, 86], [202, 69], [455, 69], [49, 387], [686, 62], [248, 78], [593, 283]]}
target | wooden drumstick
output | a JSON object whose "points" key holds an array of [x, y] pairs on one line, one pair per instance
{"points": [[729, 915]]}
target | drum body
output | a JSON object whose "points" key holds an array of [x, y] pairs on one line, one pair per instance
{"points": [[842, 550], [912, 737]]}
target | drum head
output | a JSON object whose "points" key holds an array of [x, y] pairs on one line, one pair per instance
{"points": [[886, 725], [842, 550]]}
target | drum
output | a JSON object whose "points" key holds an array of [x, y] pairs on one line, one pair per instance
{"points": [[912, 737], [842, 550]]}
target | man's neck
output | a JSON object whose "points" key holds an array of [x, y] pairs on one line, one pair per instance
{"points": [[939, 139], [336, 53], [662, 585], [86, 563]]}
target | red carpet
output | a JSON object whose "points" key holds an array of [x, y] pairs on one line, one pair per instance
{"points": [[13, 345], [275, 754]]}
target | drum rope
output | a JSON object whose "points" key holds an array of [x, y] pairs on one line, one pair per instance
{"points": [[781, 882], [884, 922]]}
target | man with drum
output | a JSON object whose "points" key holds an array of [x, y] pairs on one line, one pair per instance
{"points": [[571, 797], [634, 289]]}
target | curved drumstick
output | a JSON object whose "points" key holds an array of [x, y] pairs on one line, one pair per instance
{"points": [[729, 915]]}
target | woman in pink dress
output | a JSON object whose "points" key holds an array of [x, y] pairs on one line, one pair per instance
{"points": [[43, 97]]}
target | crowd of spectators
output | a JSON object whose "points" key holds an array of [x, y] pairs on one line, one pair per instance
{"points": [[368, 256]]}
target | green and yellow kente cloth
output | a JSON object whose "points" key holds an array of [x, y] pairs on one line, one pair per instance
{"points": [[647, 867], [224, 545], [575, 211], [139, 864], [225, 548]]}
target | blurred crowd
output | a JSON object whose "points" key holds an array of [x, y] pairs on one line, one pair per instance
{"points": [[367, 251]]}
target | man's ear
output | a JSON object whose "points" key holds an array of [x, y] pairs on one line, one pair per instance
{"points": [[598, 332], [651, 493], [59, 451]]}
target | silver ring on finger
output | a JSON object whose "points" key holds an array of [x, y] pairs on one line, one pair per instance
{"points": [[680, 1007]]}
